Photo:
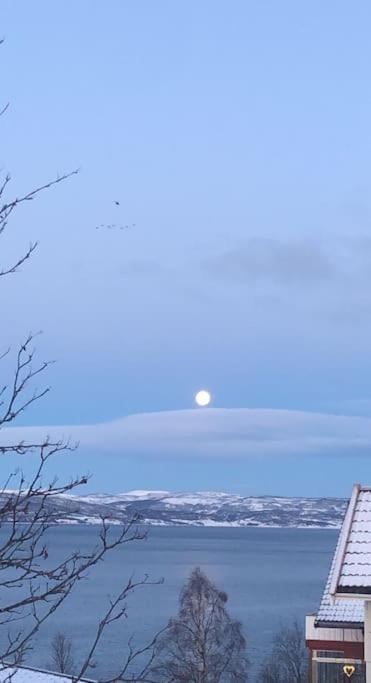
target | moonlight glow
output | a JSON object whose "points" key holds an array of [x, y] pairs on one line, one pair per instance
{"points": [[203, 398]]}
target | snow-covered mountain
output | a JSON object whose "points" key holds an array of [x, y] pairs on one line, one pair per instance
{"points": [[199, 509]]}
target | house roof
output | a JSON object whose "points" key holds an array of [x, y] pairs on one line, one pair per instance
{"points": [[339, 612], [351, 570], [27, 674]]}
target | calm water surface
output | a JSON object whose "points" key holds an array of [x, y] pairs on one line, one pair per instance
{"points": [[271, 576]]}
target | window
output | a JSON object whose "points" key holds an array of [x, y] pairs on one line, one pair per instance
{"points": [[332, 672], [330, 654]]}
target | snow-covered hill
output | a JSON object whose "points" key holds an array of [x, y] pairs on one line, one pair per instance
{"points": [[200, 509]]}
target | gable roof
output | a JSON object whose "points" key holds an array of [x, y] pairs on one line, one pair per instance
{"points": [[351, 571]]}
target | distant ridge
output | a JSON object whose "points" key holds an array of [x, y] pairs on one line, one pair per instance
{"points": [[204, 508]]}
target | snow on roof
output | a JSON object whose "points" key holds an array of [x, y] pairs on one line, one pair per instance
{"points": [[336, 611], [26, 674], [351, 572]]}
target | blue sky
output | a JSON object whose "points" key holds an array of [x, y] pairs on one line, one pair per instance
{"points": [[236, 137]]}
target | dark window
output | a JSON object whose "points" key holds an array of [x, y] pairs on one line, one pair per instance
{"points": [[333, 654], [328, 672]]}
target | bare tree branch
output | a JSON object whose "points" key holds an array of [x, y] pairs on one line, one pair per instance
{"points": [[8, 207], [117, 610], [33, 585], [12, 398]]}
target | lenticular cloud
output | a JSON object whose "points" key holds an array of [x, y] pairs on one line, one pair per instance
{"points": [[214, 433]]}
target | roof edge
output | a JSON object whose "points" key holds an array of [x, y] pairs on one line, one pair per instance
{"points": [[339, 624], [344, 533], [47, 672]]}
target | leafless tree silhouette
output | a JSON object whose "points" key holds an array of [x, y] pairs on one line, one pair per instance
{"points": [[203, 644], [62, 657], [288, 660]]}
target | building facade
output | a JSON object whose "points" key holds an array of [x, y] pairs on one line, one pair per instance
{"points": [[339, 635]]}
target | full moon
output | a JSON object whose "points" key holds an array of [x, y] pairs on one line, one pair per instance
{"points": [[203, 398]]}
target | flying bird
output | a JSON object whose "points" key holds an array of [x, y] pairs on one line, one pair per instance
{"points": [[117, 203]]}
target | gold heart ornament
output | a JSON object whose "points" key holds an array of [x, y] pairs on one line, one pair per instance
{"points": [[349, 670]]}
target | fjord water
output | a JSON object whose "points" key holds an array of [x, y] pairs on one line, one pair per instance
{"points": [[272, 576]]}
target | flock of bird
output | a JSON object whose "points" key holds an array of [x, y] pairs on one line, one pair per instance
{"points": [[113, 226]]}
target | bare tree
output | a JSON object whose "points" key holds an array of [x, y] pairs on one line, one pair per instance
{"points": [[62, 657], [203, 644], [288, 660], [270, 671], [32, 585]]}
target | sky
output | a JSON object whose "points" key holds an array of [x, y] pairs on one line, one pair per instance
{"points": [[235, 137]]}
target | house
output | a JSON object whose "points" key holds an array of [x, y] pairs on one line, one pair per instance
{"points": [[339, 635]]}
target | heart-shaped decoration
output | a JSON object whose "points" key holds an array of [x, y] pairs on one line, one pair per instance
{"points": [[349, 670]]}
